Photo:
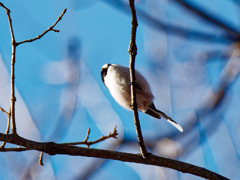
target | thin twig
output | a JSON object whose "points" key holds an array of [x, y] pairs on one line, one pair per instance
{"points": [[41, 159], [49, 29], [88, 132], [18, 149], [13, 98], [8, 126], [4, 111], [89, 143], [133, 52], [3, 145]]}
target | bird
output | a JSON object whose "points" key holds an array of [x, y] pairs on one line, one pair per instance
{"points": [[117, 79]]}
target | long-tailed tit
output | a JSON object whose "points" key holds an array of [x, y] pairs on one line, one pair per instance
{"points": [[117, 79]]}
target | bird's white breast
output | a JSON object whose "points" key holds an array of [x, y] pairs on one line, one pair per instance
{"points": [[117, 81]]}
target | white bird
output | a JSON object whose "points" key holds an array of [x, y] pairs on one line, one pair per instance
{"points": [[117, 79]]}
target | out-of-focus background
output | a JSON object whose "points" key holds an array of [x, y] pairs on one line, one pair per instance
{"points": [[188, 52]]}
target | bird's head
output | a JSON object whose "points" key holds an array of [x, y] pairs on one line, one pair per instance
{"points": [[104, 71]]}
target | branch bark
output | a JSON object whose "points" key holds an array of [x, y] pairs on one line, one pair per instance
{"points": [[14, 46], [133, 52], [52, 148], [13, 98], [45, 32]]}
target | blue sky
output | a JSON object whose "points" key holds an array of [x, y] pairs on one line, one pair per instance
{"points": [[60, 93]]}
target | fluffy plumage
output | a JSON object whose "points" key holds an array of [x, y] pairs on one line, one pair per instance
{"points": [[117, 79]]}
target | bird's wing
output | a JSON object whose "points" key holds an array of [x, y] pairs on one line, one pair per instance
{"points": [[152, 113]]}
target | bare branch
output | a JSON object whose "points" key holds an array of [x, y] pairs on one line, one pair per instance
{"points": [[89, 143], [14, 45], [53, 149], [88, 132], [133, 52], [8, 126], [18, 149], [13, 98], [45, 32], [4, 111]]}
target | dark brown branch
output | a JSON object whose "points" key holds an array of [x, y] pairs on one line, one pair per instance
{"points": [[45, 32], [89, 143], [133, 52], [53, 149]]}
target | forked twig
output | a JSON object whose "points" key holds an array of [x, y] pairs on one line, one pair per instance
{"points": [[89, 143], [14, 45], [13, 98]]}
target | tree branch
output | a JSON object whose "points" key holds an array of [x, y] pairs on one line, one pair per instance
{"points": [[41, 159], [13, 98], [89, 143], [45, 32], [1, 109], [14, 45], [208, 17], [18, 149], [133, 52], [53, 149], [8, 125]]}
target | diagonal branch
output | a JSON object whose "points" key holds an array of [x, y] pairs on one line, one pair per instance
{"points": [[174, 29], [208, 16], [53, 149], [133, 52], [45, 32], [1, 109]]}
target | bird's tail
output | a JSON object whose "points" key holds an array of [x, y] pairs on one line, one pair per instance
{"points": [[167, 118]]}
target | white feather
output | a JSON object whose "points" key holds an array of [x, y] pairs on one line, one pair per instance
{"points": [[176, 125], [168, 119], [117, 80]]}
